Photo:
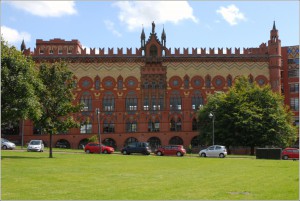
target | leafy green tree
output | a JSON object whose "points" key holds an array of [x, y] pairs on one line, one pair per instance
{"points": [[19, 83], [247, 115], [57, 100]]}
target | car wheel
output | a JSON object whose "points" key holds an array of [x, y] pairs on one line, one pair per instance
{"points": [[221, 155], [203, 155], [178, 153], [124, 152], [105, 151], [285, 157], [4, 147], [87, 151], [159, 153]]}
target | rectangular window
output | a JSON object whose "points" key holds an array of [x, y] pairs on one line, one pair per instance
{"points": [[86, 128], [59, 51], [294, 103], [293, 73], [50, 51], [294, 88]]}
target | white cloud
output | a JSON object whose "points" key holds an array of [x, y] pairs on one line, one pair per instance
{"points": [[12, 36], [231, 14], [111, 27], [138, 13], [46, 8]]}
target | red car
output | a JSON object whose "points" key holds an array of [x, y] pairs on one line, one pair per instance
{"points": [[171, 150], [94, 147], [292, 153]]}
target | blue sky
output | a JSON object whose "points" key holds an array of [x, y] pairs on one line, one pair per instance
{"points": [[103, 24]]}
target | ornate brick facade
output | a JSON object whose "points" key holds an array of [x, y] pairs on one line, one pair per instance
{"points": [[152, 94]]}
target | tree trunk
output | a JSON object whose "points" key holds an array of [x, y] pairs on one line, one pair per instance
{"points": [[50, 146]]}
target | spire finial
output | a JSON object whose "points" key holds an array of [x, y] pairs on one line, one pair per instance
{"points": [[274, 26], [23, 46]]}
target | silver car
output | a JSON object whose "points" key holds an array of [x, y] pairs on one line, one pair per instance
{"points": [[6, 144], [214, 151], [36, 145]]}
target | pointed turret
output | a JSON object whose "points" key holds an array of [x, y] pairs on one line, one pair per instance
{"points": [[274, 26], [23, 46], [163, 37], [143, 38], [274, 51]]}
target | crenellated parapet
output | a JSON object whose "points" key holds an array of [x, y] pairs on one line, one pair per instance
{"points": [[60, 47]]}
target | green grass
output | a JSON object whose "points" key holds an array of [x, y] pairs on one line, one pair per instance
{"points": [[76, 176]]}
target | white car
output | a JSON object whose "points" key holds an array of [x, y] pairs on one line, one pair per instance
{"points": [[6, 144], [214, 151], [36, 145]]}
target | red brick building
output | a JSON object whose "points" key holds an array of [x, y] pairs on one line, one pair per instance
{"points": [[153, 94]]}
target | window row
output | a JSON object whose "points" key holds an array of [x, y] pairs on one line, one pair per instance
{"points": [[152, 103], [132, 126], [174, 82]]}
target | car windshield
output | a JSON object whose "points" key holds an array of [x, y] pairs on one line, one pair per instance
{"points": [[35, 142], [4, 140]]}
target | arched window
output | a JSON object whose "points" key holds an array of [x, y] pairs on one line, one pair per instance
{"points": [[175, 101], [186, 82], [97, 83], [130, 140], [131, 102], [120, 82], [175, 124], [86, 99], [176, 141], [108, 126], [110, 142], [207, 81], [229, 81], [108, 102], [197, 100], [153, 51], [154, 143], [131, 126]]}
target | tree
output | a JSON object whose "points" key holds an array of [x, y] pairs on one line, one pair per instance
{"points": [[19, 83], [57, 100], [248, 115]]}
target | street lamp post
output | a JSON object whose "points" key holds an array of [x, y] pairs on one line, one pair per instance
{"points": [[212, 116], [99, 136]]}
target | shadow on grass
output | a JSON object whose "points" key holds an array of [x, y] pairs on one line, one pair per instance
{"points": [[20, 157]]}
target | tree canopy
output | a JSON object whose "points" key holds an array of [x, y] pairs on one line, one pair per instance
{"points": [[19, 84], [247, 115], [57, 100]]}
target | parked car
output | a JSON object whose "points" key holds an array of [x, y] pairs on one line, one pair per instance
{"points": [[171, 150], [6, 144], [137, 147], [94, 147], [36, 145], [292, 153], [214, 151]]}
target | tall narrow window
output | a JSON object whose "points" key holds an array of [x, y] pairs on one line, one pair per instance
{"points": [[208, 82], [86, 99], [108, 102], [131, 102], [197, 100], [175, 101]]}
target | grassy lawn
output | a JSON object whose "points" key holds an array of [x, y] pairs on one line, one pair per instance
{"points": [[78, 176]]}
